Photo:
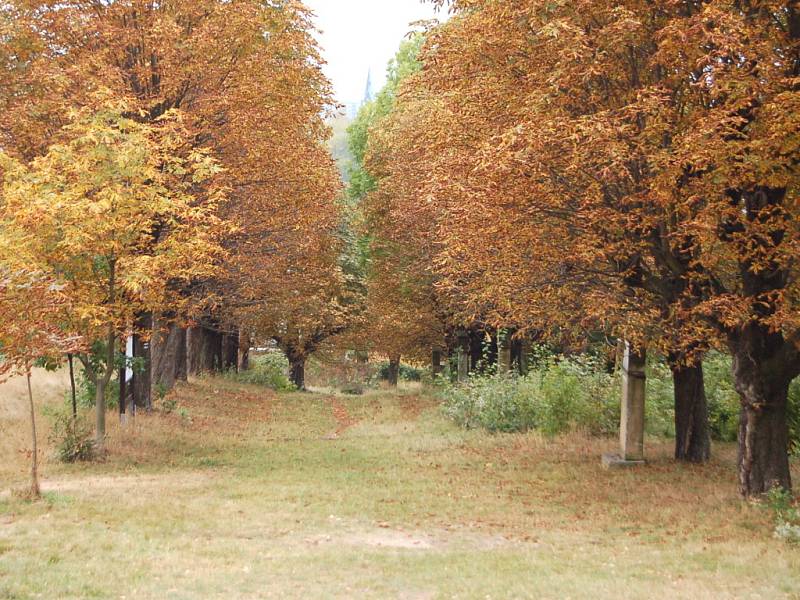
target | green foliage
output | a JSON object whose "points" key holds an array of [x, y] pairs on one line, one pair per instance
{"points": [[72, 438], [793, 416], [786, 514], [723, 401], [557, 396], [660, 400], [168, 403], [560, 394], [404, 63], [268, 370]]}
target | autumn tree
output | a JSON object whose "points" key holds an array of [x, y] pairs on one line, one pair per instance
{"points": [[111, 215], [402, 315], [629, 163], [32, 309], [246, 77]]}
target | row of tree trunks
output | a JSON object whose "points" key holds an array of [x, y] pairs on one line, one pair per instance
{"points": [[171, 353], [205, 344]]}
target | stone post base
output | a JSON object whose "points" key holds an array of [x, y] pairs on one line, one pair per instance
{"points": [[615, 461]]}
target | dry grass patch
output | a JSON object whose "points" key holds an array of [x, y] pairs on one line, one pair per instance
{"points": [[237, 494]]}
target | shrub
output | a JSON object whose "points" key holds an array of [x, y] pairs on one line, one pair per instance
{"points": [[723, 401], [493, 403], [557, 396], [268, 370], [786, 514], [72, 438], [353, 388], [560, 394]]}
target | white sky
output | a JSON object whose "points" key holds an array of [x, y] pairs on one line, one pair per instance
{"points": [[359, 35]]}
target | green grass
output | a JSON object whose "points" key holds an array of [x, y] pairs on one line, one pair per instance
{"points": [[259, 495]]}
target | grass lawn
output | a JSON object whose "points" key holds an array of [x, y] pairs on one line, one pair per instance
{"points": [[242, 493]]}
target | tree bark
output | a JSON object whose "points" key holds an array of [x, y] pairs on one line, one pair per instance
{"points": [[123, 395], [35, 491], [168, 353], [244, 351], [72, 387], [205, 351], [230, 351], [764, 365], [101, 383], [692, 435], [297, 372], [394, 370], [141, 384]]}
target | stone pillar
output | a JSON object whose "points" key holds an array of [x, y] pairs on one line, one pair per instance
{"points": [[503, 351], [436, 363], [463, 356], [631, 430]]}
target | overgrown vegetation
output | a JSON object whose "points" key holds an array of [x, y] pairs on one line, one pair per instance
{"points": [[268, 370], [786, 513], [71, 437], [578, 393]]}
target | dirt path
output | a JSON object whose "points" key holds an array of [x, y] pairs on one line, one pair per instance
{"points": [[344, 420]]}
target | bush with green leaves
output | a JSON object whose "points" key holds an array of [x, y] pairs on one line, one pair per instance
{"points": [[560, 394], [72, 438], [786, 513], [268, 370]]}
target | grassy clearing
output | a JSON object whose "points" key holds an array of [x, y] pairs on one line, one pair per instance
{"points": [[249, 494]]}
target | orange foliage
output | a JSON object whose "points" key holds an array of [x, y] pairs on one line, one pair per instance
{"points": [[625, 165]]}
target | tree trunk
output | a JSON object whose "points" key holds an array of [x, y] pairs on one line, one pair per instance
{"points": [[100, 410], [205, 353], [100, 392], [123, 395], [142, 379], [297, 372], [692, 435], [35, 492], [230, 351], [244, 351], [764, 365], [394, 370], [168, 353], [72, 387]]}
